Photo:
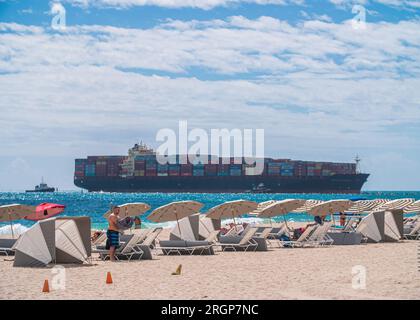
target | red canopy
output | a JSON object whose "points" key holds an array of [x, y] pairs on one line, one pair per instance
{"points": [[45, 211]]}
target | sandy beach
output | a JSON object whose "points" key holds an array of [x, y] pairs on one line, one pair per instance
{"points": [[308, 273]]}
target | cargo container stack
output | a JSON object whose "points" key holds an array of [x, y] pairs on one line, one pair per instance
{"points": [[186, 170], [162, 170], [235, 170], [151, 166], [223, 170], [173, 170], [79, 170], [300, 169], [114, 166], [198, 170], [287, 169], [90, 170], [210, 170], [273, 168], [139, 166], [100, 168]]}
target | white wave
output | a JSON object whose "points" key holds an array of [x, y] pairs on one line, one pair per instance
{"points": [[18, 229]]}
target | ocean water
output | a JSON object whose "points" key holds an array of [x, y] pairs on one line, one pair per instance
{"points": [[95, 204]]}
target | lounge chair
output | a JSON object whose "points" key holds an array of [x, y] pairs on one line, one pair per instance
{"points": [[266, 232], [6, 246], [302, 240], [349, 226], [182, 247], [320, 237], [151, 237], [244, 244], [414, 233], [212, 237], [128, 251], [99, 240], [277, 231]]}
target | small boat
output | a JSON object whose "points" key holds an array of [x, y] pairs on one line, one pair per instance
{"points": [[42, 187], [259, 189]]}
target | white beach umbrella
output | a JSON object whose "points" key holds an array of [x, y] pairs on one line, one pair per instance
{"points": [[130, 209], [330, 207], [366, 205], [413, 208], [280, 208], [13, 212], [232, 209], [175, 211], [261, 206], [398, 204], [308, 205]]}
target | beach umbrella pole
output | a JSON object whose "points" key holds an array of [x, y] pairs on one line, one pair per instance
{"points": [[11, 229], [177, 222]]}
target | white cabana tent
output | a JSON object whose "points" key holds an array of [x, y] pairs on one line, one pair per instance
{"points": [[55, 240], [394, 225], [36, 247], [187, 228], [207, 226], [69, 244], [372, 226], [382, 226]]}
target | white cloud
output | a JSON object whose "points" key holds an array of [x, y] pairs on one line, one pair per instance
{"points": [[330, 89], [200, 4], [405, 4]]}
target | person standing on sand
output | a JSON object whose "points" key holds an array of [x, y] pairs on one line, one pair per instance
{"points": [[113, 233]]}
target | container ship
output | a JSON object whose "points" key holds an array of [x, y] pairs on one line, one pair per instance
{"points": [[140, 171]]}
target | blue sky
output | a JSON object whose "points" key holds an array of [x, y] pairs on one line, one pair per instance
{"points": [[123, 69]]}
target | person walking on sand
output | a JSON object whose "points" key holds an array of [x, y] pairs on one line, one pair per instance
{"points": [[113, 233]]}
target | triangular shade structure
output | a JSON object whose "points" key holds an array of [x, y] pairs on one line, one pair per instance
{"points": [[372, 226], [394, 225], [68, 242], [36, 247], [207, 226], [187, 228], [59, 240]]}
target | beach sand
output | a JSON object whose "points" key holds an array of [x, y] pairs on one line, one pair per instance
{"points": [[300, 273]]}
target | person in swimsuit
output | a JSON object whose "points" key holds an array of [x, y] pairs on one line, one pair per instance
{"points": [[342, 219], [137, 223], [113, 233]]}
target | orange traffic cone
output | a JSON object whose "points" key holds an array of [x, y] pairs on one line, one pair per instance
{"points": [[46, 287], [108, 278]]}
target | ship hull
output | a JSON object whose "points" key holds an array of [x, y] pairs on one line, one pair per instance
{"points": [[352, 183], [40, 191]]}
